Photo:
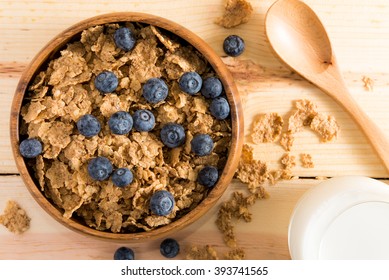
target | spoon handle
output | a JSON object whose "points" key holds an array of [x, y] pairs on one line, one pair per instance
{"points": [[339, 92]]}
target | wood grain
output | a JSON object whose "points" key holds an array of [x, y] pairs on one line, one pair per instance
{"points": [[263, 238], [300, 40], [359, 32]]}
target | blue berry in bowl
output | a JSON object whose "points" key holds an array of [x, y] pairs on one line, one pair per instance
{"points": [[219, 108], [172, 135], [124, 39], [233, 45], [202, 144], [122, 177], [124, 253], [190, 82], [169, 248], [161, 203], [155, 90], [30, 148], [88, 125], [106, 82], [144, 120], [208, 176], [212, 87], [99, 168], [120, 123]]}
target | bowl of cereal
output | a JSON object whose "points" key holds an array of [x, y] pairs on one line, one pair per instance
{"points": [[126, 126]]}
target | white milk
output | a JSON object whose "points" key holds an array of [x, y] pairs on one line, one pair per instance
{"points": [[342, 218], [361, 232]]}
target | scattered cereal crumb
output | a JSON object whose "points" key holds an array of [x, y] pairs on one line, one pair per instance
{"points": [[368, 83], [235, 254], [288, 161], [267, 128], [14, 218], [206, 252], [237, 207], [302, 116], [306, 114], [274, 176], [321, 178], [254, 173], [251, 171], [287, 140], [306, 160], [326, 126], [236, 12]]}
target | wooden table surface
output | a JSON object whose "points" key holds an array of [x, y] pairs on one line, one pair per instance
{"points": [[359, 31]]}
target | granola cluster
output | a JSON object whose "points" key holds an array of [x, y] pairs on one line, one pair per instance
{"points": [[64, 91]]}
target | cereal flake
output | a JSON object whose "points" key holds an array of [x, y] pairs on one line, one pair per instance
{"points": [[236, 12], [14, 218]]}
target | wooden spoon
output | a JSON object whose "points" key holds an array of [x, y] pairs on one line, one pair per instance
{"points": [[299, 38]]}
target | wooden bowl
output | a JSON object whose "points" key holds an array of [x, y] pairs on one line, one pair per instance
{"points": [[222, 72]]}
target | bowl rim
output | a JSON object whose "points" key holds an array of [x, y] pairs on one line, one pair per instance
{"points": [[58, 42]]}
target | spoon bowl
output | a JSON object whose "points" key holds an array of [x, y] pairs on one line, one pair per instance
{"points": [[300, 40]]}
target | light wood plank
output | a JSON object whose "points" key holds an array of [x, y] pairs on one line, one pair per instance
{"points": [[359, 24], [359, 31], [273, 93], [264, 238]]}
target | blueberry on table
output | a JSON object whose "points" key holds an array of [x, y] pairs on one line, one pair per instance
{"points": [[124, 39], [106, 82], [172, 135], [124, 253], [233, 45], [120, 123], [212, 87], [190, 82], [99, 168], [155, 90], [208, 176], [30, 148], [169, 248], [161, 203], [122, 177], [202, 144], [88, 125], [144, 120], [219, 108]]}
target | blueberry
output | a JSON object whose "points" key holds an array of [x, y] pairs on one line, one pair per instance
{"points": [[122, 177], [120, 123], [169, 248], [30, 148], [99, 168], [124, 39], [162, 203], [202, 144], [144, 120], [106, 82], [208, 176], [212, 87], [124, 253], [190, 82], [155, 90], [233, 45], [88, 125], [172, 135], [219, 108]]}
